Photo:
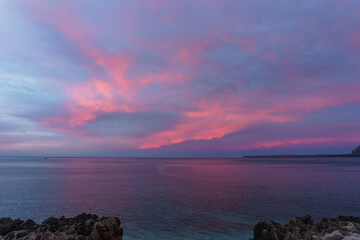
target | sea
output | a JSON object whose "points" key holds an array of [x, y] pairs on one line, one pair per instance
{"points": [[181, 198]]}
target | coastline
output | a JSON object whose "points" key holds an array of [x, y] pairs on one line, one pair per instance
{"points": [[91, 227], [82, 227], [304, 228]]}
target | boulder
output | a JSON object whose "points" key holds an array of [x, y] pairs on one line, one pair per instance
{"points": [[107, 229]]}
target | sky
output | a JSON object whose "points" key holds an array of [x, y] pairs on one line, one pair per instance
{"points": [[179, 77]]}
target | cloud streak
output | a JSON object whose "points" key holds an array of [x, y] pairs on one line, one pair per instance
{"points": [[130, 76]]}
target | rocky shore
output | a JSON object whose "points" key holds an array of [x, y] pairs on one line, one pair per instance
{"points": [[91, 227], [304, 228], [81, 227]]}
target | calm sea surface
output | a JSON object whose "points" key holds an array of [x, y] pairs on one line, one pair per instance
{"points": [[170, 198]]}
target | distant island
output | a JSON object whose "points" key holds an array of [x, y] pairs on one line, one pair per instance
{"points": [[355, 153]]}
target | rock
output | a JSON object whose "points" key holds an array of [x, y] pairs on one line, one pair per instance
{"points": [[107, 229], [81, 227], [304, 228], [16, 235], [349, 219], [7, 225], [264, 230], [336, 235], [306, 220], [29, 224], [350, 227]]}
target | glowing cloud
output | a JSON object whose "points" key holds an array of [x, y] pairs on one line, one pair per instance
{"points": [[160, 74]]}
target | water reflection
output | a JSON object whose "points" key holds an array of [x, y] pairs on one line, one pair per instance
{"points": [[180, 198]]}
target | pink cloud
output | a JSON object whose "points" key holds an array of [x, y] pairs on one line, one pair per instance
{"points": [[180, 74]]}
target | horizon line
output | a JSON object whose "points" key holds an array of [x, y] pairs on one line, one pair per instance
{"points": [[242, 156]]}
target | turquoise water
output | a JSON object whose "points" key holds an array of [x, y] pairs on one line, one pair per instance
{"points": [[169, 198]]}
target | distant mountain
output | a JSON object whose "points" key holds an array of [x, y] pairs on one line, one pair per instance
{"points": [[356, 151]]}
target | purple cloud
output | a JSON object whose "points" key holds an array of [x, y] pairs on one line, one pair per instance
{"points": [[178, 76]]}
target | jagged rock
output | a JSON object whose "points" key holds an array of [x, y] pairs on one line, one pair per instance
{"points": [[8, 225], [266, 230], [81, 227], [107, 229], [304, 228]]}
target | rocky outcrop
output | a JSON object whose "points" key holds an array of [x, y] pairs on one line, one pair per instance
{"points": [[81, 227], [356, 151], [304, 228]]}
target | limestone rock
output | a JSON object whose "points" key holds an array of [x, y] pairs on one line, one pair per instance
{"points": [[81, 227], [304, 228]]}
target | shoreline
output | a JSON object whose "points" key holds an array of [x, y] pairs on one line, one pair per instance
{"points": [[304, 228], [91, 227], [82, 227]]}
